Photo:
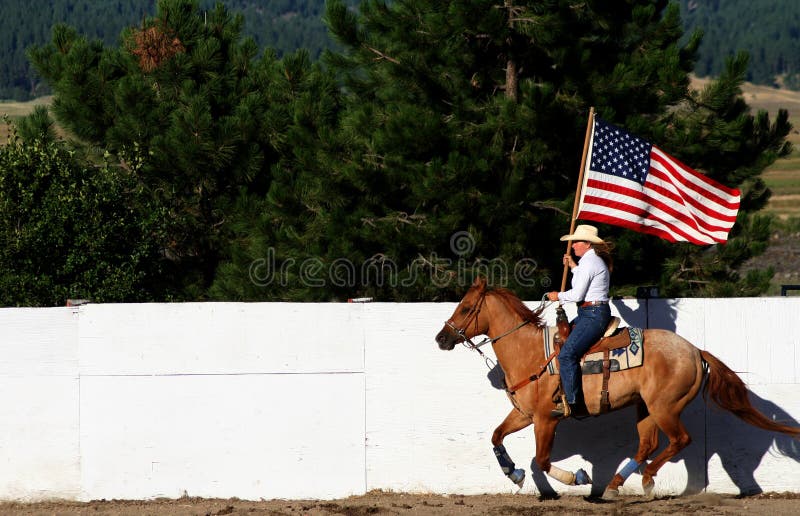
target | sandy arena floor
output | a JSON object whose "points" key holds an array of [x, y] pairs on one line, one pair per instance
{"points": [[382, 503]]}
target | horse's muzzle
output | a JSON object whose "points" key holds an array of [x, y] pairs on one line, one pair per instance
{"points": [[447, 339]]}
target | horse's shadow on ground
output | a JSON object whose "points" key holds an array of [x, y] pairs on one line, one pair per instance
{"points": [[739, 447], [606, 442]]}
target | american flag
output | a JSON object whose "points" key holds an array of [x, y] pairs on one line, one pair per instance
{"points": [[632, 183]]}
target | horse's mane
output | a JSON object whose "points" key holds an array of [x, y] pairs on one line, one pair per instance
{"points": [[516, 305]]}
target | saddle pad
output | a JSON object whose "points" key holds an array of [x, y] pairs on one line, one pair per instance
{"points": [[625, 357]]}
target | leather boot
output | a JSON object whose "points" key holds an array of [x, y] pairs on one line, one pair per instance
{"points": [[564, 410]]}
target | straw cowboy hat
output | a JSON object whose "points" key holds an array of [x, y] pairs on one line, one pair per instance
{"points": [[585, 232]]}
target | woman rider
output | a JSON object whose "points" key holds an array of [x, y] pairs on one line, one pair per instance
{"points": [[590, 282]]}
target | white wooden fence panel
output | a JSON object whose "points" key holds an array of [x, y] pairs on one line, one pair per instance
{"points": [[285, 400], [220, 338], [246, 436], [742, 458], [38, 342], [39, 384], [39, 451], [430, 413]]}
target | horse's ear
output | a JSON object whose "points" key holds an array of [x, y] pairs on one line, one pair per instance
{"points": [[479, 283]]}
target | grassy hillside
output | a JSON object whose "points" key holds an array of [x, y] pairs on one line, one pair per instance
{"points": [[783, 177], [14, 110]]}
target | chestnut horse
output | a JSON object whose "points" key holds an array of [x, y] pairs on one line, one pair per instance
{"points": [[671, 376]]}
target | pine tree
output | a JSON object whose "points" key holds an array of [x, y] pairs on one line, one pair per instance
{"points": [[443, 142], [460, 115], [272, 254], [186, 91], [458, 149]]}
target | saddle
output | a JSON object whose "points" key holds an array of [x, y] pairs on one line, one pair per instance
{"points": [[616, 350]]}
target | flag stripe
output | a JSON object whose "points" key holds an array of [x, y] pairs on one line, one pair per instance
{"points": [[702, 181], [664, 186], [631, 183], [642, 207], [643, 204], [695, 182], [634, 225], [646, 218], [690, 215]]}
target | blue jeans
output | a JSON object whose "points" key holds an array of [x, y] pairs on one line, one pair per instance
{"points": [[589, 327]]}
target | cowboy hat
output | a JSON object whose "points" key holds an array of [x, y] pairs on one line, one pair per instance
{"points": [[585, 232]]}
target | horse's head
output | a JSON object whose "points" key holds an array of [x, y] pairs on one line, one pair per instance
{"points": [[467, 320]]}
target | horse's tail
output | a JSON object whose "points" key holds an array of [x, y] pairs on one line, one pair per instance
{"points": [[729, 392]]}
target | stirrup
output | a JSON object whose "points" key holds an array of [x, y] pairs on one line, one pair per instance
{"points": [[562, 409], [559, 412], [558, 393]]}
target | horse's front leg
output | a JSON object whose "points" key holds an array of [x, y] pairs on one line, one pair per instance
{"points": [[545, 431], [514, 421]]}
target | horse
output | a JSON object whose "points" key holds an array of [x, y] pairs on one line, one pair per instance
{"points": [[669, 378]]}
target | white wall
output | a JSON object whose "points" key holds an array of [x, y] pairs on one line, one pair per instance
{"points": [[39, 449], [279, 400], [221, 400]]}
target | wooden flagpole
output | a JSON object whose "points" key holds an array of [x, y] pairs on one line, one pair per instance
{"points": [[578, 191]]}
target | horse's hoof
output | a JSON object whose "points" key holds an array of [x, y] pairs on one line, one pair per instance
{"points": [[610, 494], [648, 489]]}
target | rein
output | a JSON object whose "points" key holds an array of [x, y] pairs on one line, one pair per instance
{"points": [[471, 345], [466, 341], [462, 332]]}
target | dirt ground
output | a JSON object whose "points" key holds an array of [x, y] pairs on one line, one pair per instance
{"points": [[383, 503]]}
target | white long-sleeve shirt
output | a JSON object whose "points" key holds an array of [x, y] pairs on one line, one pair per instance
{"points": [[590, 280]]}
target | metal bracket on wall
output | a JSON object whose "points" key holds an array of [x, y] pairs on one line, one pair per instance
{"points": [[787, 288]]}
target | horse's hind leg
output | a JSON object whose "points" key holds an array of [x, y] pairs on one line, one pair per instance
{"points": [[513, 422], [670, 423], [648, 443]]}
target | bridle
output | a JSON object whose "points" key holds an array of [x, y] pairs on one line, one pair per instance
{"points": [[466, 341], [473, 314]]}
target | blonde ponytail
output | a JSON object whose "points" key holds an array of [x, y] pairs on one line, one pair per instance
{"points": [[604, 251]]}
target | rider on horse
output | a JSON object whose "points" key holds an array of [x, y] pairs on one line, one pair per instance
{"points": [[590, 283]]}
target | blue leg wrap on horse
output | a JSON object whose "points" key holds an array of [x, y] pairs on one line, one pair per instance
{"points": [[506, 464], [518, 477], [582, 478], [629, 468]]}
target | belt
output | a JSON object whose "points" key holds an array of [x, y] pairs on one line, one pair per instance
{"points": [[586, 304]]}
